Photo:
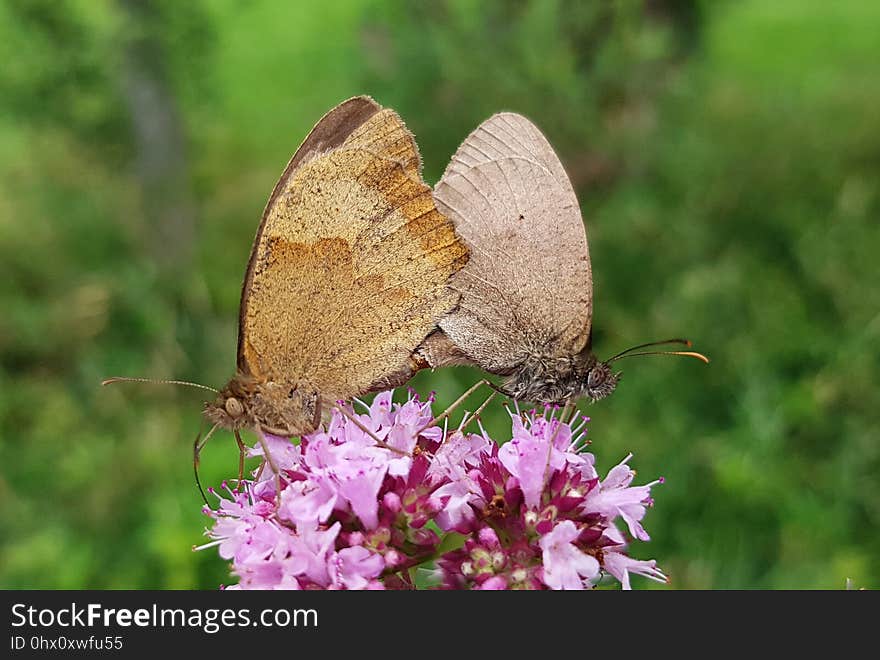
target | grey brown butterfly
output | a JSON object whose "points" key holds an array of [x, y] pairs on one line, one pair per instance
{"points": [[347, 275], [526, 305]]}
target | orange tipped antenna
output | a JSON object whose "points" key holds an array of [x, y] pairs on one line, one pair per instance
{"points": [[152, 381], [685, 342], [692, 354]]}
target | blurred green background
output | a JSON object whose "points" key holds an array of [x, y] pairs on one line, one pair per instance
{"points": [[727, 158]]}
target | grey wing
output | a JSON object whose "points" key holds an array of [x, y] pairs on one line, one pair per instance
{"points": [[527, 286], [505, 135]]}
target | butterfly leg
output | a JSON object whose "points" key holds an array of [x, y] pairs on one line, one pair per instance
{"points": [[574, 413], [272, 465], [198, 445], [562, 416], [242, 452], [477, 412], [316, 418], [566, 411], [500, 389], [354, 420], [455, 404]]}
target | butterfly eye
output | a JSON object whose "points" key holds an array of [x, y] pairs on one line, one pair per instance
{"points": [[234, 407], [597, 376]]}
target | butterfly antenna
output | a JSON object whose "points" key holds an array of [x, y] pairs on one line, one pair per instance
{"points": [[684, 342], [156, 381], [692, 354]]}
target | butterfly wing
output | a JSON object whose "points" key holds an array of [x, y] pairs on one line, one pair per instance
{"points": [[329, 133], [350, 266], [527, 286]]}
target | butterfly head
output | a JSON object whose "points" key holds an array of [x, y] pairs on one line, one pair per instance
{"points": [[231, 409], [265, 405], [599, 378], [599, 381]]}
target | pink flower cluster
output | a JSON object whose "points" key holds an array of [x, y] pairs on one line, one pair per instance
{"points": [[354, 513]]}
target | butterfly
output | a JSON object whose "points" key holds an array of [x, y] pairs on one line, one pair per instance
{"points": [[347, 275], [526, 305]]}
